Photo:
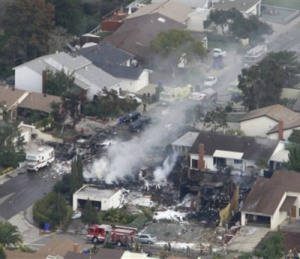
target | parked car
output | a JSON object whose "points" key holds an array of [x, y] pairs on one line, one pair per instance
{"points": [[139, 124], [210, 81], [145, 239], [131, 117], [219, 52]]}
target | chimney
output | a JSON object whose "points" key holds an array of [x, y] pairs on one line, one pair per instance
{"points": [[280, 130], [201, 162], [76, 248], [44, 77]]}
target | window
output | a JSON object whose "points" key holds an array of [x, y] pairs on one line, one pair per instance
{"points": [[194, 163], [235, 161]]}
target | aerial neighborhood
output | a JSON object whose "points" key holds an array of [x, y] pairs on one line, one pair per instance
{"points": [[149, 129]]}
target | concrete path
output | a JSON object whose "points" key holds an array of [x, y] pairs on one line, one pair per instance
{"points": [[247, 239]]}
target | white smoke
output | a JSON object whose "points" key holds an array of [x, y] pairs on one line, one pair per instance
{"points": [[126, 157], [162, 172]]}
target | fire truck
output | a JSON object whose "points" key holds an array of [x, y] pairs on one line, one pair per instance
{"points": [[119, 235]]}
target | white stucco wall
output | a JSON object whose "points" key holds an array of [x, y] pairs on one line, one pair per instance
{"points": [[113, 201], [286, 134], [196, 19], [27, 79], [279, 216], [134, 86], [258, 126]]}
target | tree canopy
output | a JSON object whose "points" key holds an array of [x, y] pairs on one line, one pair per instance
{"points": [[259, 84], [239, 26], [174, 44], [216, 119], [11, 145], [89, 214], [27, 27], [58, 82], [294, 158], [271, 247], [68, 15], [9, 235]]}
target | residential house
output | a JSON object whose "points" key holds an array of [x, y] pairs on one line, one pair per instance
{"points": [[174, 10], [249, 7], [191, 3], [105, 199], [90, 79], [118, 63], [18, 101], [182, 145], [54, 249], [135, 35], [196, 19], [213, 151], [274, 122], [273, 200]]}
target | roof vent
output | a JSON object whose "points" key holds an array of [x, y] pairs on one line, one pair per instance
{"points": [[41, 149]]}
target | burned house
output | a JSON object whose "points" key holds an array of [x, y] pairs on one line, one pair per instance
{"points": [[235, 154], [273, 200]]}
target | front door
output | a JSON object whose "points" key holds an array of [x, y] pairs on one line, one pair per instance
{"points": [[293, 212]]}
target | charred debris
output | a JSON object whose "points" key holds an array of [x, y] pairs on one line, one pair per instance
{"points": [[211, 192]]}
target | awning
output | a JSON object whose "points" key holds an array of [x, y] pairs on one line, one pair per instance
{"points": [[228, 154], [288, 203]]}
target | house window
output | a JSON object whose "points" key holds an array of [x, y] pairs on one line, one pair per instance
{"points": [[235, 161]]}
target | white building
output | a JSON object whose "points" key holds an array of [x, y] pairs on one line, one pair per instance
{"points": [[274, 122], [273, 200], [91, 79], [214, 151], [103, 199]]}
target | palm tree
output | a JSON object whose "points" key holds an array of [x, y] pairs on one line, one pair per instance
{"points": [[2, 253], [9, 234]]}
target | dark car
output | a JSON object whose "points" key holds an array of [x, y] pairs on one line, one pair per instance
{"points": [[131, 117], [139, 124]]}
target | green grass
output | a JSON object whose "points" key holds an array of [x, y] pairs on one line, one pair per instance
{"points": [[295, 4]]}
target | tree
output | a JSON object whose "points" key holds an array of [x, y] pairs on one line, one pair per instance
{"points": [[295, 137], [216, 119], [174, 45], [27, 25], [271, 247], [58, 82], [239, 26], [11, 145], [294, 158], [2, 252], [89, 214], [60, 210], [9, 235], [76, 176], [258, 83], [68, 15]]}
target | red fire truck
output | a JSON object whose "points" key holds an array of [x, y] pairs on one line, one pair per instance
{"points": [[120, 235]]}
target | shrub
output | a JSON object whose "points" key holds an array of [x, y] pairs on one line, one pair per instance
{"points": [[139, 222]]}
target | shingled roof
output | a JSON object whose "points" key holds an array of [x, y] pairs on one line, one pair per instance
{"points": [[10, 96], [251, 147], [135, 35], [266, 194], [177, 11], [39, 102], [276, 112]]}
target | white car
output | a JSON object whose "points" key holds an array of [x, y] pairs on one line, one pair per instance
{"points": [[219, 52], [210, 81]]}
